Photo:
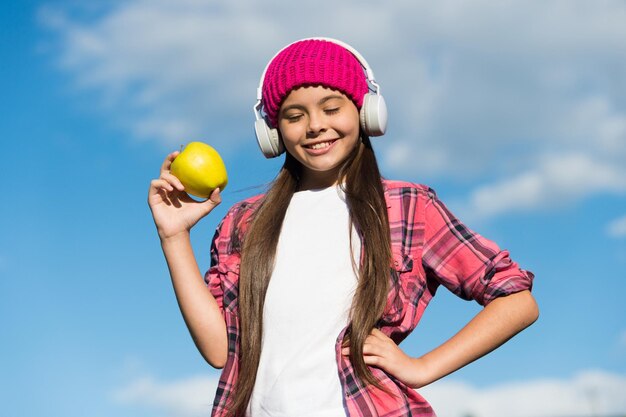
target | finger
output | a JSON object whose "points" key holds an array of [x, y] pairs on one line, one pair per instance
{"points": [[346, 349], [374, 360], [159, 188], [165, 197], [216, 196], [346, 352], [370, 348], [161, 184], [168, 161], [213, 201], [377, 339], [173, 180]]}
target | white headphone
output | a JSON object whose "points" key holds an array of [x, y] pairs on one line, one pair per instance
{"points": [[373, 113]]}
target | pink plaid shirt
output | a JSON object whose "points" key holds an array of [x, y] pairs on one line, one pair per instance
{"points": [[430, 248]]}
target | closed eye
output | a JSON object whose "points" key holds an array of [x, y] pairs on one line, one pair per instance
{"points": [[331, 111], [293, 118]]}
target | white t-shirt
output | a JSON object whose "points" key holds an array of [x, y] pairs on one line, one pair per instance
{"points": [[306, 307]]}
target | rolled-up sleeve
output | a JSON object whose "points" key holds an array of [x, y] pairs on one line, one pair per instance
{"points": [[212, 277], [469, 265]]}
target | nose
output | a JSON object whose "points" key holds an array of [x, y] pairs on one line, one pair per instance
{"points": [[317, 124]]}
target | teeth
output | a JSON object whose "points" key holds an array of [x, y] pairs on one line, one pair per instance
{"points": [[321, 145]]}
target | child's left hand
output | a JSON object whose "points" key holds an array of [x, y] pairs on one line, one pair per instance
{"points": [[380, 351]]}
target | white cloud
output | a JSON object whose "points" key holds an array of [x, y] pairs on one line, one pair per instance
{"points": [[190, 397], [476, 90], [511, 79], [586, 393], [589, 392], [554, 181], [596, 120], [400, 154], [617, 228], [167, 70]]}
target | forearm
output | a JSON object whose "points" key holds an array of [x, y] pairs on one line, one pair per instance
{"points": [[500, 320], [199, 308]]}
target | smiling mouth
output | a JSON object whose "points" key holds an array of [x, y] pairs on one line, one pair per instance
{"points": [[321, 145]]}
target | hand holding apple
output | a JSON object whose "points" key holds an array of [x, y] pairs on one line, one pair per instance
{"points": [[200, 169], [173, 210]]}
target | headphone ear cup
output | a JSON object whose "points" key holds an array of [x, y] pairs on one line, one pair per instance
{"points": [[373, 115], [268, 139]]}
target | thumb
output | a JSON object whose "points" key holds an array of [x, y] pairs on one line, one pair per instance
{"points": [[213, 201], [215, 198]]}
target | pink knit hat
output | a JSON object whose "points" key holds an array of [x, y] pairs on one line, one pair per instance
{"points": [[312, 63]]}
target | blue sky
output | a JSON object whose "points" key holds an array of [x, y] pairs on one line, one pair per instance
{"points": [[514, 113]]}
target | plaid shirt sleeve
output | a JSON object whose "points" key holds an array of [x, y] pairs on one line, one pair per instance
{"points": [[211, 277], [472, 267], [214, 277], [223, 273], [222, 279]]}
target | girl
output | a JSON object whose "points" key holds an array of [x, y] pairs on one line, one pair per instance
{"points": [[313, 285]]}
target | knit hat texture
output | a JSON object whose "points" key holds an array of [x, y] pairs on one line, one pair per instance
{"points": [[312, 62]]}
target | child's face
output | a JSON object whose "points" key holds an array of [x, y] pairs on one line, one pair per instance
{"points": [[319, 127]]}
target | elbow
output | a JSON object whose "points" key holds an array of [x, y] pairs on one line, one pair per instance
{"points": [[535, 311], [218, 365], [521, 308], [216, 362], [531, 309], [213, 352], [215, 357]]}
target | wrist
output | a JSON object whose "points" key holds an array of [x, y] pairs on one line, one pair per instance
{"points": [[179, 237], [423, 373]]}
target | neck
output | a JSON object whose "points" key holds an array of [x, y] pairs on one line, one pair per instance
{"points": [[311, 180]]}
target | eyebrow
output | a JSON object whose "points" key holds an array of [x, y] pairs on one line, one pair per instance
{"points": [[329, 97], [319, 103]]}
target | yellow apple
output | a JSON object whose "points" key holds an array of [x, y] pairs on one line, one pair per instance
{"points": [[200, 168]]}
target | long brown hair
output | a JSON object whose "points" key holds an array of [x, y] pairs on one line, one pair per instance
{"points": [[361, 182]]}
